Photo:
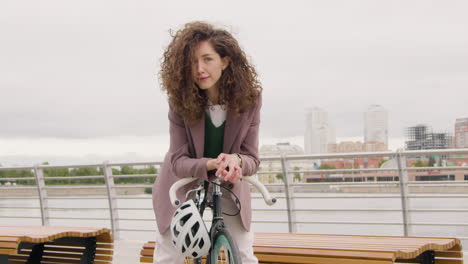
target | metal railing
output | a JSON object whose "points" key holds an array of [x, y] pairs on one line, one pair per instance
{"points": [[288, 191]]}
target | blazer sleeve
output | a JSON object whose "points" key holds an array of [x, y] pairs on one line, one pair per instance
{"points": [[183, 164], [249, 147]]}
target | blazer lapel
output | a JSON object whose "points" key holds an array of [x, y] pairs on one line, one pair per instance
{"points": [[233, 124], [198, 135]]}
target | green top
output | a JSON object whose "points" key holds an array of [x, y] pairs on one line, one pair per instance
{"points": [[214, 138]]}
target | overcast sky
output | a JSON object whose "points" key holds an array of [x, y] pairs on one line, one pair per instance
{"points": [[85, 71]]}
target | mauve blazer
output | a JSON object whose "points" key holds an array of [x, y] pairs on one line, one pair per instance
{"points": [[185, 159]]}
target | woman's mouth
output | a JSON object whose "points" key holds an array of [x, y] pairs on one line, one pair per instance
{"points": [[203, 79]]}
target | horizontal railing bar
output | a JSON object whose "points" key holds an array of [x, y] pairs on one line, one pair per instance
{"points": [[142, 163], [91, 165], [381, 223], [380, 183], [16, 207], [135, 209], [18, 198], [348, 223], [76, 208], [433, 152], [19, 187], [442, 183], [133, 198], [371, 154], [75, 177], [345, 196], [437, 168], [134, 176], [367, 196], [363, 210], [120, 186], [330, 156], [439, 196], [441, 224], [269, 172], [347, 171], [19, 179], [136, 230], [16, 168], [133, 219], [29, 217], [78, 218], [77, 198], [288, 157], [76, 187]]}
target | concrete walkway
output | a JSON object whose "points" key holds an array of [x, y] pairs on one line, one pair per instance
{"points": [[127, 251]]}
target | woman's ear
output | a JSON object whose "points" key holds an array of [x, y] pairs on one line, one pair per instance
{"points": [[225, 61]]}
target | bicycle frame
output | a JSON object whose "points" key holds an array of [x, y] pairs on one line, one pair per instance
{"points": [[217, 220]]}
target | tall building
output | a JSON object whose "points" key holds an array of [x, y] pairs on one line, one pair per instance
{"points": [[376, 125], [461, 133], [318, 131], [421, 137]]}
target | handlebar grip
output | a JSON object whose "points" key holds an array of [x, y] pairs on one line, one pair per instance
{"points": [[260, 187], [176, 186]]}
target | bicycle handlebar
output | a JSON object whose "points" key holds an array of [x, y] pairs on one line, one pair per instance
{"points": [[250, 179]]}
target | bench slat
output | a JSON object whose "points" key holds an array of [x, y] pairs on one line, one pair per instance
{"points": [[331, 249], [322, 260]]}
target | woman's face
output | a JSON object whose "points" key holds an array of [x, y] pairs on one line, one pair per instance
{"points": [[208, 66]]}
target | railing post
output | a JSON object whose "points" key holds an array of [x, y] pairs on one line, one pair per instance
{"points": [[111, 196], [403, 175], [40, 183], [288, 191]]}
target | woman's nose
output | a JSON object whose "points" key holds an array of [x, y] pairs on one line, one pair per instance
{"points": [[200, 68]]}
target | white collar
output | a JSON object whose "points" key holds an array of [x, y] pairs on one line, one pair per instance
{"points": [[217, 114]]}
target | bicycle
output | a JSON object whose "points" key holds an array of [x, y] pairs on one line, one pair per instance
{"points": [[223, 247]]}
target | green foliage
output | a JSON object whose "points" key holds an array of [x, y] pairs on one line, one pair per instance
{"points": [[126, 170], [431, 162], [279, 176], [327, 167], [70, 173], [297, 176], [18, 174], [382, 161], [420, 163]]}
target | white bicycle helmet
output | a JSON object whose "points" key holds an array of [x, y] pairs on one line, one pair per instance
{"points": [[189, 233]]}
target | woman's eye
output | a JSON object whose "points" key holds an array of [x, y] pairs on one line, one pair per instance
{"points": [[208, 59]]}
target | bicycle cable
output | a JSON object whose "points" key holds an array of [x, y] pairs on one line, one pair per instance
{"points": [[237, 201]]}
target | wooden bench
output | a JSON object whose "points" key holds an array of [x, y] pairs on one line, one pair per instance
{"points": [[346, 249], [51, 245]]}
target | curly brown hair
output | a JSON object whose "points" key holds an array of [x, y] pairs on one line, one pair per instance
{"points": [[238, 85]]}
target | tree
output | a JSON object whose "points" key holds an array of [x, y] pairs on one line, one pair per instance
{"points": [[279, 176], [420, 163], [297, 175]]}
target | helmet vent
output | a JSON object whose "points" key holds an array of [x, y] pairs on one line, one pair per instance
{"points": [[184, 206], [195, 228], [187, 240], [202, 242], [184, 219], [176, 233]]}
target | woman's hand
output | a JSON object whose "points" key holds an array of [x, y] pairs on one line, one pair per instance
{"points": [[228, 167]]}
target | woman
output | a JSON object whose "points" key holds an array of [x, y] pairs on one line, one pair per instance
{"points": [[214, 112]]}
